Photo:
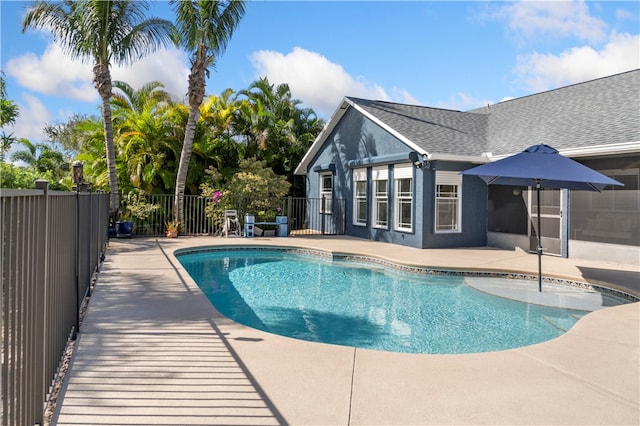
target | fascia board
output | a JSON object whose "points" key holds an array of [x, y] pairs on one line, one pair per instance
{"points": [[591, 151], [482, 158], [609, 149]]}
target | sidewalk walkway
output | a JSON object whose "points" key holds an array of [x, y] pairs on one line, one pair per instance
{"points": [[153, 350]]}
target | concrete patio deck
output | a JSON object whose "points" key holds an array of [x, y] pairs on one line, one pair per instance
{"points": [[153, 350]]}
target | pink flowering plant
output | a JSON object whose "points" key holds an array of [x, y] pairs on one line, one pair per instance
{"points": [[219, 202], [255, 187]]}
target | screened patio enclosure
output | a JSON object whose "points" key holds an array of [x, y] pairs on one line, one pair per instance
{"points": [[610, 217], [514, 211]]}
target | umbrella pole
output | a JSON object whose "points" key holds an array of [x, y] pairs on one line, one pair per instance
{"points": [[539, 249]]}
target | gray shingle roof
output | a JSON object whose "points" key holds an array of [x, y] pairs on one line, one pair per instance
{"points": [[605, 111], [433, 129], [596, 112]]}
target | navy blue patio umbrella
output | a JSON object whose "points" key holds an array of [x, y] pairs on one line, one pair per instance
{"points": [[541, 166]]}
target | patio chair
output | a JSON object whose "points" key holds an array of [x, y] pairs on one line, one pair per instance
{"points": [[231, 223]]}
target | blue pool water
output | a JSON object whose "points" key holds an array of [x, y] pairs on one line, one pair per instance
{"points": [[319, 300]]}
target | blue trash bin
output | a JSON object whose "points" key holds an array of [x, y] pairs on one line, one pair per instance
{"points": [[283, 229]]}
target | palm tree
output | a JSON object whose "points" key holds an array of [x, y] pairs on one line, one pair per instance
{"points": [[143, 126], [275, 127], [41, 158], [254, 123], [214, 144], [9, 111], [221, 148], [89, 136], [276, 99], [107, 32], [129, 99], [205, 29]]}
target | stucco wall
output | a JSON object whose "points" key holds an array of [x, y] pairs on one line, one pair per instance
{"points": [[474, 210], [356, 138]]}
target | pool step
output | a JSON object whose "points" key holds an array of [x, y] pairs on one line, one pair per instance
{"points": [[563, 324]]}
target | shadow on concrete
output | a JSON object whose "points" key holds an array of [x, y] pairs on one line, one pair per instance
{"points": [[628, 281], [256, 386], [130, 245], [152, 353], [161, 378]]}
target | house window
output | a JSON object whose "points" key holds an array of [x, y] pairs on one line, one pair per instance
{"points": [[448, 201], [326, 193], [380, 177], [403, 178], [360, 197]]}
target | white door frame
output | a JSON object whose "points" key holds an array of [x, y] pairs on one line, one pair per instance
{"points": [[552, 244]]}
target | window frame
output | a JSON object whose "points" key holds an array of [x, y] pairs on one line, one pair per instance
{"points": [[454, 179], [359, 199], [403, 172], [328, 207], [379, 174]]}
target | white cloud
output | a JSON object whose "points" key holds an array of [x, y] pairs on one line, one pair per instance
{"points": [[403, 96], [532, 19], [53, 73], [625, 15], [316, 81], [166, 66], [32, 119], [541, 72]]}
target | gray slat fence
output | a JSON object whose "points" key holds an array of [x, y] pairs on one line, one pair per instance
{"points": [[52, 244]]}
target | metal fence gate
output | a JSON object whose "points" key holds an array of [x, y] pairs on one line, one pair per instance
{"points": [[315, 216]]}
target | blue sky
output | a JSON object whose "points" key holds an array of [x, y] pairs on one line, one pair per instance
{"points": [[448, 54]]}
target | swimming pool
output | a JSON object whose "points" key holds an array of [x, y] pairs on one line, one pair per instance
{"points": [[318, 299]]}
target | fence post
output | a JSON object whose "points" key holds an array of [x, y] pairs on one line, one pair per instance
{"points": [[322, 213], [42, 286]]}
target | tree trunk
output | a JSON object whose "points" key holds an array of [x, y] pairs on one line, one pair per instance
{"points": [[185, 156], [102, 80], [196, 95]]}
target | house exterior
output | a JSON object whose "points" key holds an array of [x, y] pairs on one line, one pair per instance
{"points": [[397, 168]]}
